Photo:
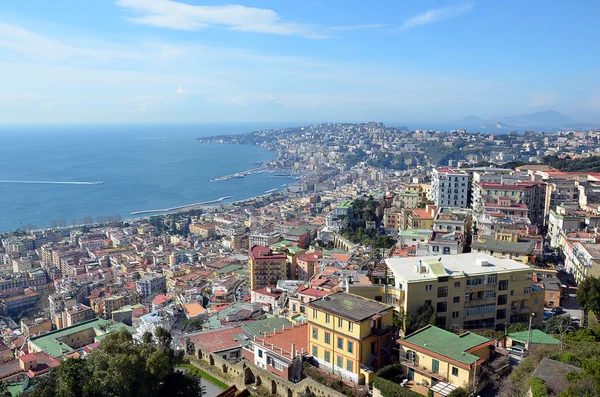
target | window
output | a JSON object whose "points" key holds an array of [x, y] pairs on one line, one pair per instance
{"points": [[492, 278], [512, 292], [442, 292], [294, 307], [456, 299], [315, 333], [501, 314], [278, 365], [350, 347], [314, 351], [260, 353], [502, 299], [527, 290], [340, 343], [490, 294], [327, 337], [503, 285], [428, 287], [455, 314], [477, 310], [349, 365], [314, 313], [427, 302], [350, 326], [442, 307], [340, 322], [446, 250], [435, 366], [457, 284], [454, 371], [436, 248], [327, 318], [340, 362], [327, 356]]}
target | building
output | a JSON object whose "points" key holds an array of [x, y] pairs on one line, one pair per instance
{"points": [[468, 291], [269, 296], [151, 285], [508, 244], [263, 239], [418, 218], [281, 350], [266, 267], [531, 194], [206, 231], [304, 294], [350, 335], [584, 261], [450, 187], [553, 373], [442, 359], [224, 342], [60, 343], [76, 314], [305, 265]]}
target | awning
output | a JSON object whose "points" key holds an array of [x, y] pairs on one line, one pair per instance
{"points": [[443, 388]]}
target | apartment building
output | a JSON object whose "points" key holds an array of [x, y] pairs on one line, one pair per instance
{"points": [[151, 285], [468, 291], [266, 267], [350, 336], [450, 187], [531, 194], [584, 261]]}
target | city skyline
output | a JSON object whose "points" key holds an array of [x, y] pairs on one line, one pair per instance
{"points": [[192, 61]]}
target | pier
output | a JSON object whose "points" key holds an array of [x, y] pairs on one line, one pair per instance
{"points": [[181, 207], [239, 174]]}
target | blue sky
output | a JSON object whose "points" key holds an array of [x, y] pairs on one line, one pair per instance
{"points": [[295, 61]]}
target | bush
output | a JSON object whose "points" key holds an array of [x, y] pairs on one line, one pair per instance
{"points": [[458, 392], [538, 387], [390, 389]]}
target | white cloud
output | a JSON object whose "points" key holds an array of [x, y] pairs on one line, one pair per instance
{"points": [[358, 27], [181, 16], [182, 90], [435, 15], [543, 99]]}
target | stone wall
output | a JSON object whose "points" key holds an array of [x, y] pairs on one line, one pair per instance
{"points": [[245, 375]]}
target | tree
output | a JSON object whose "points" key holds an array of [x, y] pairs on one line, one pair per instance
{"points": [[4, 390], [558, 325], [123, 367], [426, 315], [588, 297]]}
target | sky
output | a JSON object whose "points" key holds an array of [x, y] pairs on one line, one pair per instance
{"points": [[92, 61]]}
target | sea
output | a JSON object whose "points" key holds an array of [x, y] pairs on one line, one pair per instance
{"points": [[143, 167]]}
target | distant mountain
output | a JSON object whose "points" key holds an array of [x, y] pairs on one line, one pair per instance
{"points": [[548, 117], [470, 121]]}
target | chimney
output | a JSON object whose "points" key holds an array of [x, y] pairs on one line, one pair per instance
{"points": [[292, 350]]}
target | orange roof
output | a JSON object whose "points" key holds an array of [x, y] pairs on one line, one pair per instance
{"points": [[341, 257], [295, 336], [193, 309]]}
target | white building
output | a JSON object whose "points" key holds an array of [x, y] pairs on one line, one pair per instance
{"points": [[449, 187]]}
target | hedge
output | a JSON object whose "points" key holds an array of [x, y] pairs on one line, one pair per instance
{"points": [[538, 387], [391, 389]]}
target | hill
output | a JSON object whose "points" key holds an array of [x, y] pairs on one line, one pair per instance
{"points": [[545, 118]]}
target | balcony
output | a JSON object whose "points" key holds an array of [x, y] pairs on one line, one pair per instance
{"points": [[381, 331], [523, 309], [423, 371]]}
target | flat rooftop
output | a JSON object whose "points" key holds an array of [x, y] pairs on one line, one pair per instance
{"points": [[454, 265], [349, 306]]}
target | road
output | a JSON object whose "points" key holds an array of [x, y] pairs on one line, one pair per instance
{"points": [[211, 390]]}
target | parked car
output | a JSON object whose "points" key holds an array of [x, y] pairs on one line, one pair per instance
{"points": [[557, 310], [547, 315], [516, 350]]}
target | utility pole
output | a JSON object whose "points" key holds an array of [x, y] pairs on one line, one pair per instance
{"points": [[529, 333]]}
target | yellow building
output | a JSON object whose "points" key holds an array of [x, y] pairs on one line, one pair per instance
{"points": [[467, 291], [509, 244], [443, 360], [350, 336]]}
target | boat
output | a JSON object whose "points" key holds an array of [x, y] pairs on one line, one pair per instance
{"points": [[271, 191]]}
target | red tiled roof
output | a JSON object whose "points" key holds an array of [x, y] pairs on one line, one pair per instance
{"points": [[263, 253], [160, 299], [217, 340], [296, 336]]}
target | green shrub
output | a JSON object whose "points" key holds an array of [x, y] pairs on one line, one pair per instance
{"points": [[391, 389], [538, 387]]}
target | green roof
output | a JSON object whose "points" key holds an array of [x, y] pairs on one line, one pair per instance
{"points": [[446, 343], [266, 325], [537, 337], [294, 249], [409, 193], [128, 308], [229, 269], [50, 344]]}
